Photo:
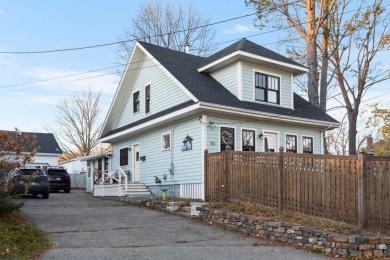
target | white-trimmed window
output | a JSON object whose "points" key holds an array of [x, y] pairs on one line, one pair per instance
{"points": [[124, 156], [307, 144], [291, 143], [270, 141], [227, 138], [166, 141], [136, 103], [267, 88], [248, 140], [147, 99]]}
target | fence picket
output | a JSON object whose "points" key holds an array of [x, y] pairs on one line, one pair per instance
{"points": [[317, 185]]}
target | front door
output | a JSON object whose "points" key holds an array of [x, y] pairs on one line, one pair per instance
{"points": [[136, 163], [270, 142]]}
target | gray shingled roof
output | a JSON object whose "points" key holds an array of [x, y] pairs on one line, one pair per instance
{"points": [[46, 141], [250, 47], [151, 117], [206, 89]]}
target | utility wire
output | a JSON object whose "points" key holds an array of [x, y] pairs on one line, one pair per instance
{"points": [[133, 39], [87, 72], [107, 74], [219, 43]]}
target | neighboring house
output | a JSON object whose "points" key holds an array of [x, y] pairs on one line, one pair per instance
{"points": [[48, 152], [379, 148], [171, 106], [74, 166]]}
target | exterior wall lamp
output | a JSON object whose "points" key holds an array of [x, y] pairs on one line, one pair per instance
{"points": [[261, 136]]}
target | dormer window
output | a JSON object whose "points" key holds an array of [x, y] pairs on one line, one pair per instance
{"points": [[267, 88]]}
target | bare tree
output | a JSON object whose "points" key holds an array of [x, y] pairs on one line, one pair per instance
{"points": [[355, 42], [337, 139], [166, 26], [308, 18], [77, 124]]}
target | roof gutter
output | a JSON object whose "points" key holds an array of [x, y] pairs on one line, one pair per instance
{"points": [[267, 116], [151, 123]]}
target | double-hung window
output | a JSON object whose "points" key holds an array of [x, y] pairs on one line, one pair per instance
{"points": [[147, 99], [307, 144], [136, 104], [248, 140], [291, 143], [124, 156], [227, 138], [267, 88]]}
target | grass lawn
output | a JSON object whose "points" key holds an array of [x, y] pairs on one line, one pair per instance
{"points": [[19, 239]]}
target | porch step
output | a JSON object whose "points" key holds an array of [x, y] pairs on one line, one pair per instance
{"points": [[137, 190], [130, 189]]}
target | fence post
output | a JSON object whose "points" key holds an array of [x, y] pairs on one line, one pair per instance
{"points": [[281, 180], [362, 190], [225, 177], [205, 174]]}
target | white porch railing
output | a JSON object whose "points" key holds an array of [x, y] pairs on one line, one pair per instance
{"points": [[110, 183]]}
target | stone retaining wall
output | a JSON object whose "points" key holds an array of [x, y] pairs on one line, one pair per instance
{"points": [[302, 236], [310, 238]]}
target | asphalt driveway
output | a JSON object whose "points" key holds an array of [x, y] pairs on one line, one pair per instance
{"points": [[81, 226]]}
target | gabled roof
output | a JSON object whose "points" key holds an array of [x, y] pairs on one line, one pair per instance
{"points": [[46, 141], [251, 52], [205, 90], [249, 47]]}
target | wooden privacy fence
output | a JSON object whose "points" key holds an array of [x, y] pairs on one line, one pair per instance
{"points": [[350, 189]]}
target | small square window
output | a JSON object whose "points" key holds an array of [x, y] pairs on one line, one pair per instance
{"points": [[166, 141]]}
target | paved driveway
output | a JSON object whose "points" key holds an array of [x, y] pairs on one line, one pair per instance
{"points": [[83, 227]]}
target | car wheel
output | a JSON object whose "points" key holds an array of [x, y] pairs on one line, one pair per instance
{"points": [[67, 190], [45, 195]]}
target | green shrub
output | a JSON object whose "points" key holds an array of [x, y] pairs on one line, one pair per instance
{"points": [[7, 206]]}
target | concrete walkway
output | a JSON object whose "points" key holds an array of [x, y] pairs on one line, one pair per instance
{"points": [[83, 227]]}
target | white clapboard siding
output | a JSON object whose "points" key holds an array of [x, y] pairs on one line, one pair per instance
{"points": [[192, 190]]}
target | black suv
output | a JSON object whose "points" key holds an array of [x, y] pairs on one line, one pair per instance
{"points": [[32, 179], [59, 179]]}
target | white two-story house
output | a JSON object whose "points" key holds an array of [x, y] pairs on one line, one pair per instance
{"points": [[171, 106]]}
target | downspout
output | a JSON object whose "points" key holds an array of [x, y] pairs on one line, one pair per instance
{"points": [[323, 137], [171, 167]]}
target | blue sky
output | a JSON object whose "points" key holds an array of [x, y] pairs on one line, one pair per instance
{"points": [[46, 25]]}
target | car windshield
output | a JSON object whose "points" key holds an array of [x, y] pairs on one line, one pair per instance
{"points": [[57, 173], [28, 172]]}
